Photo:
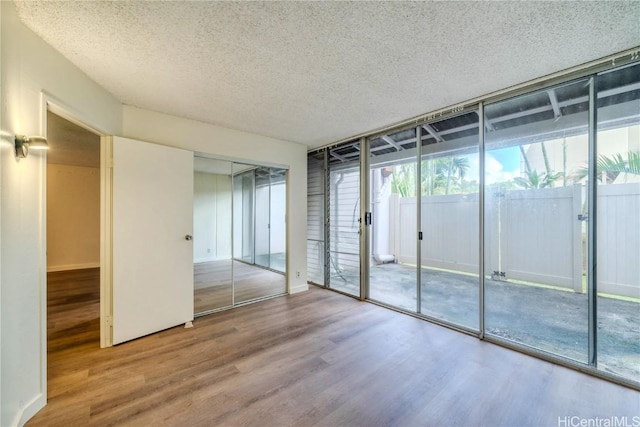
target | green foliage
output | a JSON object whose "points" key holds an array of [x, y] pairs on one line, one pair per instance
{"points": [[445, 175], [533, 179], [403, 180], [612, 166]]}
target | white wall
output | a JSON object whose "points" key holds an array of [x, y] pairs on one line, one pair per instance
{"points": [[29, 65], [73, 217], [237, 145], [211, 217]]}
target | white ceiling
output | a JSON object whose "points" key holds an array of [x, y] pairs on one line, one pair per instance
{"points": [[318, 72]]}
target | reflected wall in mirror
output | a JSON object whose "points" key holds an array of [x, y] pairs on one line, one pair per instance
{"points": [[213, 284], [259, 232]]}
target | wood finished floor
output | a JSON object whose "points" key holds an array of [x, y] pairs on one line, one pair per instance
{"points": [[315, 358], [212, 283]]}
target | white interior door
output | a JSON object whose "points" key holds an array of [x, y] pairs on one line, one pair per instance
{"points": [[152, 260]]}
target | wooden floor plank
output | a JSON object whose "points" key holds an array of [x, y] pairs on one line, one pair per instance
{"points": [[214, 286], [315, 358]]}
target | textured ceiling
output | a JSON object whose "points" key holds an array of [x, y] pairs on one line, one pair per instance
{"points": [[317, 72]]}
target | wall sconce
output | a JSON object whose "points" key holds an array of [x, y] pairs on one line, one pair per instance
{"points": [[23, 143]]}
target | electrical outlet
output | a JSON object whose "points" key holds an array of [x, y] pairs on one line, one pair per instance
{"points": [[297, 274]]}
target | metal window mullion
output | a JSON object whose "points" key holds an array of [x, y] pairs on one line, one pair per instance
{"points": [[327, 224], [481, 246], [592, 270], [418, 187], [233, 237], [269, 222], [364, 227]]}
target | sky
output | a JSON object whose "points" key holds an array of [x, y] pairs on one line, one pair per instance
{"points": [[500, 165]]}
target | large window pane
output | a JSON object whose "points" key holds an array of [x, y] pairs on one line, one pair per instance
{"points": [[392, 273], [316, 218], [449, 220], [535, 292], [344, 214], [618, 222]]}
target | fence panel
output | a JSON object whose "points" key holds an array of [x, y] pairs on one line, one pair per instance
{"points": [[531, 235], [450, 232], [619, 239], [445, 224], [541, 231]]}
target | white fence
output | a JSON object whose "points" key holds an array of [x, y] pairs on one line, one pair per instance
{"points": [[530, 235]]}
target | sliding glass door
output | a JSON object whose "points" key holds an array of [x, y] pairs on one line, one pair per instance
{"points": [[449, 220], [535, 278], [393, 183], [618, 222]]}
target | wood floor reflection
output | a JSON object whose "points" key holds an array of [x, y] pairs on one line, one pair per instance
{"points": [[212, 284]]}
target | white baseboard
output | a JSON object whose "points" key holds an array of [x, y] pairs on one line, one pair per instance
{"points": [[52, 268], [299, 288], [212, 258], [28, 411]]}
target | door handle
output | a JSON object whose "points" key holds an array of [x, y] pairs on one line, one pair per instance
{"points": [[188, 237]]}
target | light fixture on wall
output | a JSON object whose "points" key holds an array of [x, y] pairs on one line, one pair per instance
{"points": [[24, 143]]}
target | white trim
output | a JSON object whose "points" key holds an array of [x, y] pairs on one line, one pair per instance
{"points": [[67, 112], [47, 103], [41, 399], [25, 413], [299, 288], [54, 268], [238, 160], [106, 263], [211, 258]]}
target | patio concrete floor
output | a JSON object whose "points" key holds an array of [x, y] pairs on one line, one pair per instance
{"points": [[548, 319]]}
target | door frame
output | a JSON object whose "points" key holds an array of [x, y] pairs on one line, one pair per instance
{"points": [[49, 103]]}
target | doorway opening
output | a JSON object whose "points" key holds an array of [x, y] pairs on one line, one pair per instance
{"points": [[73, 243]]}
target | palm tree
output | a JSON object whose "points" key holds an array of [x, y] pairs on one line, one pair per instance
{"points": [[458, 167], [403, 180], [613, 166], [439, 176], [533, 179]]}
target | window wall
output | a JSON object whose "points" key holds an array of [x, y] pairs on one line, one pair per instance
{"points": [[516, 219]]}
